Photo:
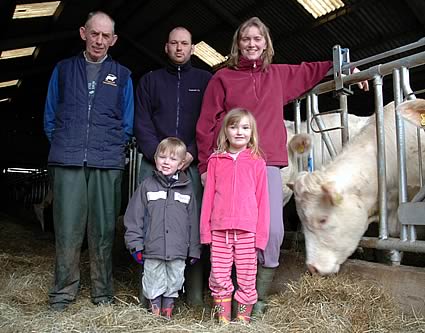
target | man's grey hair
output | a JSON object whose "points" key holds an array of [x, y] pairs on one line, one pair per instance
{"points": [[98, 12]]}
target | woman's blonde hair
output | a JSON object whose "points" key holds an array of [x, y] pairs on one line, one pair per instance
{"points": [[233, 117], [172, 145], [268, 53]]}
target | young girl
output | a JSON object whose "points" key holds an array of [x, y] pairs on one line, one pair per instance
{"points": [[235, 213]]}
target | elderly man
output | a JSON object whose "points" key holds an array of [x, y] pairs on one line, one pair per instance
{"points": [[168, 103], [88, 120]]}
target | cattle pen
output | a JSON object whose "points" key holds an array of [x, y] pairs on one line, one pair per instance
{"points": [[409, 214]]}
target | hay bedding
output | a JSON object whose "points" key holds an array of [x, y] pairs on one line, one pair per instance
{"points": [[312, 304]]}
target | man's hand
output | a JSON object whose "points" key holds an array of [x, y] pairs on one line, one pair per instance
{"points": [[364, 85], [187, 161], [203, 178]]}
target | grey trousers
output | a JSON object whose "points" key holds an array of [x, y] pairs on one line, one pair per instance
{"points": [[163, 277], [270, 256]]}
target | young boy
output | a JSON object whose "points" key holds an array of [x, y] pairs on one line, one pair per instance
{"points": [[162, 227]]}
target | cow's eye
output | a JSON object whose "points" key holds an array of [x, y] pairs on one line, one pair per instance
{"points": [[323, 221]]}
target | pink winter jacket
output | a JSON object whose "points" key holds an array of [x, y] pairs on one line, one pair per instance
{"points": [[236, 197]]}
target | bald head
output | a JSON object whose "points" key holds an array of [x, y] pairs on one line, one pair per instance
{"points": [[179, 46]]}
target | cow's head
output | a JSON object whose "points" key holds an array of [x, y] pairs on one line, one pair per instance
{"points": [[333, 222]]}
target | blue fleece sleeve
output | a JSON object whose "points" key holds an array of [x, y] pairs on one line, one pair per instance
{"points": [[128, 108], [51, 105]]}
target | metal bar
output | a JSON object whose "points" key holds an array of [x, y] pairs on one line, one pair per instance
{"points": [[310, 157], [401, 148], [405, 84], [130, 173], [368, 74], [297, 122], [134, 179], [325, 136], [380, 138], [393, 243], [373, 243], [374, 58], [343, 105]]}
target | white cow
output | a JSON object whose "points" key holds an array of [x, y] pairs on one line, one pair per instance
{"points": [[320, 151], [334, 204]]}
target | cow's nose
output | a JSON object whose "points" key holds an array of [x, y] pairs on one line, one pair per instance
{"points": [[312, 269]]}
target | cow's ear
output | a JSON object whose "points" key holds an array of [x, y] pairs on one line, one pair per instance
{"points": [[413, 111], [290, 185], [301, 144], [331, 194]]}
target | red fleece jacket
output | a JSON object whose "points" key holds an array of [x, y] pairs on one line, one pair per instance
{"points": [[236, 197], [264, 93]]}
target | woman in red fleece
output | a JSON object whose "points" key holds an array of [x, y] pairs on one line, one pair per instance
{"points": [[251, 81], [235, 213]]}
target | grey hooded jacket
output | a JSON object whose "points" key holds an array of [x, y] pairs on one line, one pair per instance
{"points": [[162, 220]]}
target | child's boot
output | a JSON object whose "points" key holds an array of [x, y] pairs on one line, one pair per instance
{"points": [[167, 307], [244, 312], [223, 309], [155, 305]]}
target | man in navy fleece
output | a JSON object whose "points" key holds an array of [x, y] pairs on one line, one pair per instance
{"points": [[168, 103]]}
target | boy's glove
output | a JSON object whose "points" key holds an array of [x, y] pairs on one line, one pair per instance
{"points": [[138, 256], [193, 261]]}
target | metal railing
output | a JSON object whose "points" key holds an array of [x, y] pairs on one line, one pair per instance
{"points": [[399, 69]]}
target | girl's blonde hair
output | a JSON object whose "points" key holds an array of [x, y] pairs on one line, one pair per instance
{"points": [[234, 116], [172, 145], [268, 53]]}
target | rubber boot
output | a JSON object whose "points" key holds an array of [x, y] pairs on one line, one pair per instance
{"points": [[142, 299], [263, 283], [223, 309], [244, 312], [155, 305], [194, 284], [167, 307]]}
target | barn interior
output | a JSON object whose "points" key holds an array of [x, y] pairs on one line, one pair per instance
{"points": [[366, 28]]}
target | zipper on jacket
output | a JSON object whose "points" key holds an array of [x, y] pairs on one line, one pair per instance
{"points": [[235, 164], [178, 100], [87, 133], [165, 220], [253, 79]]}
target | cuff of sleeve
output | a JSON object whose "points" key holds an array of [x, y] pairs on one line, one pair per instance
{"points": [[261, 243], [205, 239]]}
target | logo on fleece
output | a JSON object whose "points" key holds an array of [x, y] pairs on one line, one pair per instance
{"points": [[111, 80]]}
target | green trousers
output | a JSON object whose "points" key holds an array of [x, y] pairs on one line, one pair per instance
{"points": [[194, 274], [84, 200]]}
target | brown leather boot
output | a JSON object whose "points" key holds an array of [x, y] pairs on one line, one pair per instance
{"points": [[223, 309]]}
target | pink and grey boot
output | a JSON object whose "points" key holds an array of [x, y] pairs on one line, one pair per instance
{"points": [[223, 309], [167, 307], [244, 312]]}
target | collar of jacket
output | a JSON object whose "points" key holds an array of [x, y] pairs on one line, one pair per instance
{"points": [[183, 179], [247, 64], [245, 154], [173, 68], [82, 57]]}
